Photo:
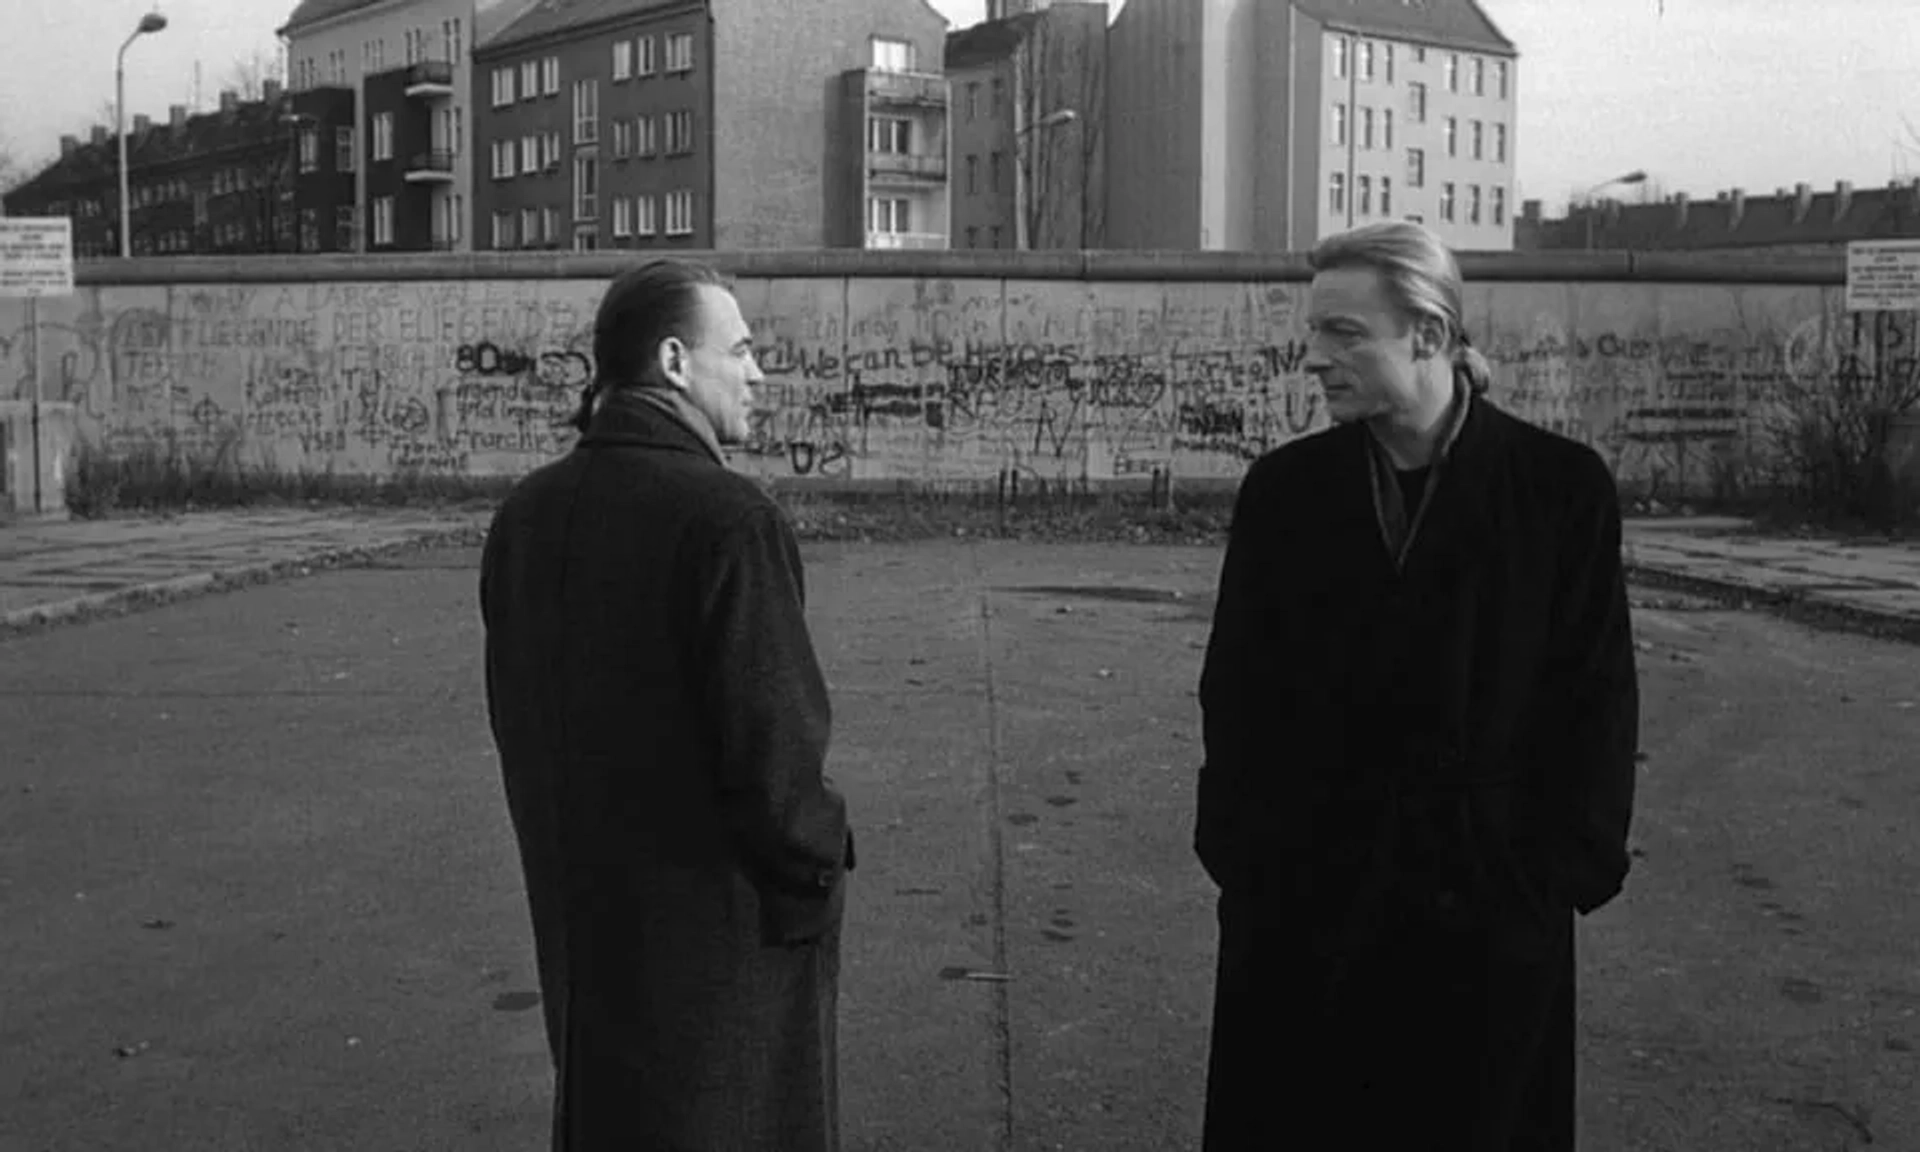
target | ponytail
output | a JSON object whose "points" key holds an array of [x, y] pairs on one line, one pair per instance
{"points": [[583, 415], [1470, 367]]}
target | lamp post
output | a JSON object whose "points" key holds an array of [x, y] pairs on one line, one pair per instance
{"points": [[151, 22], [1052, 119], [1637, 176]]}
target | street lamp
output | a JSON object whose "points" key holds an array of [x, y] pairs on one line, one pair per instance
{"points": [[1052, 119], [151, 22], [1637, 176]]}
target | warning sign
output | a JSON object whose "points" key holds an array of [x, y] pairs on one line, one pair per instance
{"points": [[1883, 276], [36, 256]]}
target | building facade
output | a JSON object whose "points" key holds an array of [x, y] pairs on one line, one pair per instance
{"points": [[711, 124], [1787, 222], [408, 144], [217, 183], [1266, 126], [1030, 126]]}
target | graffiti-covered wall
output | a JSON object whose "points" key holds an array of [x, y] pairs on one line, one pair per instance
{"points": [[918, 378]]}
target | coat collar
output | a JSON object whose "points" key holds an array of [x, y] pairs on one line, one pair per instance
{"points": [[1452, 526], [1398, 523], [651, 418]]}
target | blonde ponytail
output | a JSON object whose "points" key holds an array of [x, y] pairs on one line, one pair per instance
{"points": [[1471, 367]]}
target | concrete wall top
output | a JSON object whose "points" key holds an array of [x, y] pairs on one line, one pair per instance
{"points": [[832, 263]]}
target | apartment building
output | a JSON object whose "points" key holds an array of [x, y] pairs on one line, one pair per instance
{"points": [[403, 68], [217, 183], [1029, 126], [1795, 221], [712, 124], [1266, 126]]}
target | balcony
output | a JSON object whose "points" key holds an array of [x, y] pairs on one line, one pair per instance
{"points": [[434, 166], [907, 240], [431, 79], [907, 89], [903, 167]]}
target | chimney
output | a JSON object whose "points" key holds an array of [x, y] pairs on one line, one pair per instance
{"points": [[177, 115], [270, 90], [1802, 201], [1720, 197], [68, 145], [1530, 211], [1738, 199], [1679, 209], [141, 123], [101, 134], [1842, 199], [229, 100]]}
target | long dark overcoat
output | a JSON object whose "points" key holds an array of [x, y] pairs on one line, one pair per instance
{"points": [[1414, 776], [662, 724]]}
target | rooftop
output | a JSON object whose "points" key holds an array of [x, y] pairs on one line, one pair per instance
{"points": [[1799, 217], [1452, 23], [545, 17]]}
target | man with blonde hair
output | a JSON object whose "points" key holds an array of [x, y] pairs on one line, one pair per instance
{"points": [[1420, 715]]}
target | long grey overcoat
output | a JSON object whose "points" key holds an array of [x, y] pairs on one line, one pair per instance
{"points": [[662, 725], [1413, 779]]}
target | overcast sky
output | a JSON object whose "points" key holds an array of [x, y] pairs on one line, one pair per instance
{"points": [[1706, 95]]}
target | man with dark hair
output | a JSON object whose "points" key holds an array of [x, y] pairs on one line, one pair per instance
{"points": [[1420, 712], [662, 724]]}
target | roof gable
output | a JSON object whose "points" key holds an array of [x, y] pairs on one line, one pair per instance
{"points": [[1448, 22]]}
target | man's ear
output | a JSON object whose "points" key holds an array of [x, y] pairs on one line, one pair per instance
{"points": [[671, 359], [1429, 336]]}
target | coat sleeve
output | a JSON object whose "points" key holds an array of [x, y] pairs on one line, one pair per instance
{"points": [[764, 690], [1593, 681], [1230, 720]]}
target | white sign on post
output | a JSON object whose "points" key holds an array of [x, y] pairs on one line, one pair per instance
{"points": [[1883, 276], [36, 256]]}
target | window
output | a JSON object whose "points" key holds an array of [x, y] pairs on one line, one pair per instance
{"points": [[1419, 55], [456, 217], [342, 149], [1386, 128], [309, 149], [622, 216], [529, 227], [550, 84], [679, 213], [1500, 77], [644, 64], [995, 163], [502, 87], [452, 120], [529, 80], [1479, 76], [973, 100], [973, 176], [680, 55], [502, 159], [1363, 195], [1366, 128], [1500, 143], [383, 135], [679, 132], [1386, 195], [1453, 136], [529, 155], [309, 231], [1473, 203], [383, 220], [1366, 61], [996, 235], [1416, 168], [550, 151], [1453, 71], [646, 136], [1386, 53], [1446, 201], [1339, 123], [1337, 192], [622, 62], [1499, 206], [889, 134], [1340, 50], [503, 230], [888, 214], [646, 220], [586, 111], [622, 138], [1417, 101], [999, 94], [586, 239], [892, 55], [1479, 137], [450, 38], [586, 185]]}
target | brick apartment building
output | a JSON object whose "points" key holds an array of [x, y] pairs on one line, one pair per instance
{"points": [[1787, 222], [716, 124], [219, 182]]}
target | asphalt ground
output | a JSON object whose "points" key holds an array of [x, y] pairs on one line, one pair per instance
{"points": [[258, 891]]}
